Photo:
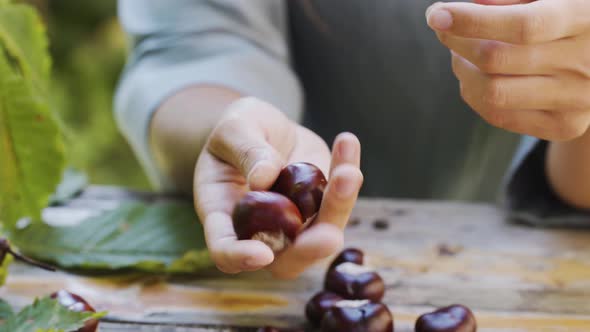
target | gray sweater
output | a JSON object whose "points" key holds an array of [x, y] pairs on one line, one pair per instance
{"points": [[371, 67]]}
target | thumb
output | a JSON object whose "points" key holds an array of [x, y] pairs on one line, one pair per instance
{"points": [[240, 140]]}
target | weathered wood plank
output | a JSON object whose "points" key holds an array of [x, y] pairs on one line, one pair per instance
{"points": [[116, 327], [430, 254]]}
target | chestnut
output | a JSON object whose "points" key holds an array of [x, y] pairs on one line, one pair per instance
{"points": [[268, 217], [319, 304], [358, 316], [355, 282], [352, 255], [454, 318], [304, 184], [77, 304]]}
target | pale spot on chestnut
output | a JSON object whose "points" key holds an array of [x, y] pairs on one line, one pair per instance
{"points": [[352, 255], [267, 217]]}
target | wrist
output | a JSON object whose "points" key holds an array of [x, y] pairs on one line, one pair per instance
{"points": [[179, 129]]}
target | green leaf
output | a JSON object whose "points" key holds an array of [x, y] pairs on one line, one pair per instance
{"points": [[23, 37], [5, 310], [73, 182], [155, 237], [47, 315], [31, 150]]}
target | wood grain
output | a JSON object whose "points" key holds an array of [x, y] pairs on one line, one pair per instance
{"points": [[430, 254]]}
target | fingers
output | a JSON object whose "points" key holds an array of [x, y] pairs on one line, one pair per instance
{"points": [[344, 182], [340, 195], [484, 91], [218, 186], [325, 237], [255, 138], [316, 243], [229, 254], [531, 23], [346, 150], [531, 105], [494, 57]]}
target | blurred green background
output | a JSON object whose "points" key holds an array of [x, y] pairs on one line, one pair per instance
{"points": [[88, 49]]}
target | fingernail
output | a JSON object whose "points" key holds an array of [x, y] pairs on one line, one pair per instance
{"points": [[344, 188], [439, 19]]}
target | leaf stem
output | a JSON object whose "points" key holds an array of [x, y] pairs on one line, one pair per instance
{"points": [[5, 248]]}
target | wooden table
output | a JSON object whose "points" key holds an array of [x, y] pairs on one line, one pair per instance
{"points": [[429, 253]]}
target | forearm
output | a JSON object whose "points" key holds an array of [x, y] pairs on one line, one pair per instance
{"points": [[568, 170], [180, 127]]}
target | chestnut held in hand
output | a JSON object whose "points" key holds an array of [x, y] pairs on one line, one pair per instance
{"points": [[351, 255], [268, 217], [454, 318], [355, 282], [357, 316], [304, 184], [77, 304], [319, 304]]}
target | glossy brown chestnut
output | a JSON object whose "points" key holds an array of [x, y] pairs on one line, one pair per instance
{"points": [[351, 255], [358, 316], [268, 217], [304, 184], [454, 318], [355, 282], [76, 303], [319, 304]]}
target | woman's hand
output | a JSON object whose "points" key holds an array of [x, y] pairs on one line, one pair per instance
{"points": [[246, 151], [522, 65]]}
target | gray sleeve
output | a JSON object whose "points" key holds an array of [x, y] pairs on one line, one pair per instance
{"points": [[528, 196], [241, 45]]}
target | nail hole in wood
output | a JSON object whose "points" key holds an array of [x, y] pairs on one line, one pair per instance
{"points": [[353, 222], [381, 224]]}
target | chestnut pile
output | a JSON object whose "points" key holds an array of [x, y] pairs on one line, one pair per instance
{"points": [[351, 302], [277, 216], [351, 299]]}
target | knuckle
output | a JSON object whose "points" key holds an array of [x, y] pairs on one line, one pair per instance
{"points": [[444, 38], [496, 118], [467, 97], [247, 153], [531, 28], [246, 103], [583, 102], [495, 94], [584, 65], [570, 128], [229, 124], [493, 57], [566, 127]]}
